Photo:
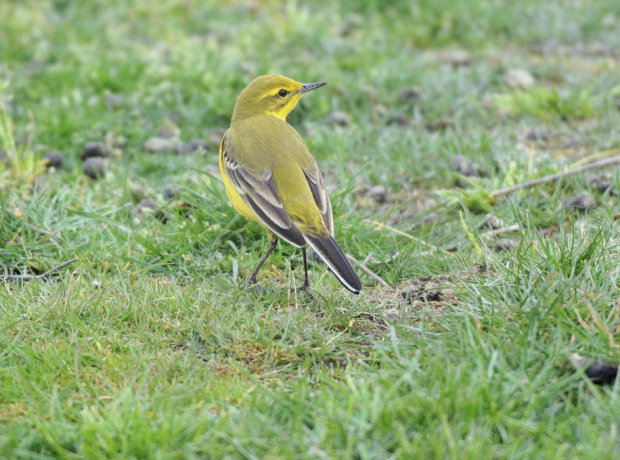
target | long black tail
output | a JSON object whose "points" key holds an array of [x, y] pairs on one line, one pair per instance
{"points": [[332, 255]]}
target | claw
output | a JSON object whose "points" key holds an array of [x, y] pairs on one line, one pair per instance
{"points": [[305, 288]]}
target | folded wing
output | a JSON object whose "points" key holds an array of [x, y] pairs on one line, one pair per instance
{"points": [[258, 190]]}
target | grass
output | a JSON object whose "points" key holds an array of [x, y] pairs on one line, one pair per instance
{"points": [[149, 347]]}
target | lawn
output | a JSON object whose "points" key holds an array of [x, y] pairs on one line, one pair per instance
{"points": [[149, 346]]}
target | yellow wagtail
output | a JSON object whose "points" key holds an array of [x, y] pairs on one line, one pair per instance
{"points": [[271, 177]]}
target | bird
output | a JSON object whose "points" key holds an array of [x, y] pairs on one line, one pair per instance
{"points": [[271, 177]]}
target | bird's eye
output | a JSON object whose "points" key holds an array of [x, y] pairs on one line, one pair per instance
{"points": [[282, 93]]}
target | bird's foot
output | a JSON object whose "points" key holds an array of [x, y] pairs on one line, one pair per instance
{"points": [[253, 286], [251, 281], [305, 288]]}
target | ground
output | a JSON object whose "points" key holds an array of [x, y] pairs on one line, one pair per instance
{"points": [[149, 346]]}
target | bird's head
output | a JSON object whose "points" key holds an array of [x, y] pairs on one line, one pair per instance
{"points": [[274, 95]]}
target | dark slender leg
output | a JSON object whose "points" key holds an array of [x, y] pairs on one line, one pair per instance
{"points": [[306, 282], [306, 286], [252, 278]]}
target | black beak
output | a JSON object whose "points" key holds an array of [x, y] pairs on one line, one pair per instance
{"points": [[310, 86]]}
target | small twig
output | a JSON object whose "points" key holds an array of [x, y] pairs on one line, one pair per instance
{"points": [[368, 257], [366, 270], [489, 234], [552, 177], [42, 275], [380, 225], [500, 231]]}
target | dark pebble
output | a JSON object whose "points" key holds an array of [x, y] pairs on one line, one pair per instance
{"points": [[461, 165], [94, 167], [181, 207], [182, 148], [600, 183], [573, 143], [380, 111], [54, 159], [597, 371], [340, 119], [148, 208], [161, 145], [502, 245], [378, 193], [169, 130], [582, 202], [145, 205], [172, 191], [409, 94], [137, 192], [193, 146], [519, 79], [602, 373], [399, 119], [441, 124], [416, 294], [537, 133], [95, 150], [198, 145], [392, 316], [456, 58]]}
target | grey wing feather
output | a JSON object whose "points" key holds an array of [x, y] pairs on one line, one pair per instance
{"points": [[317, 186], [260, 193]]}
